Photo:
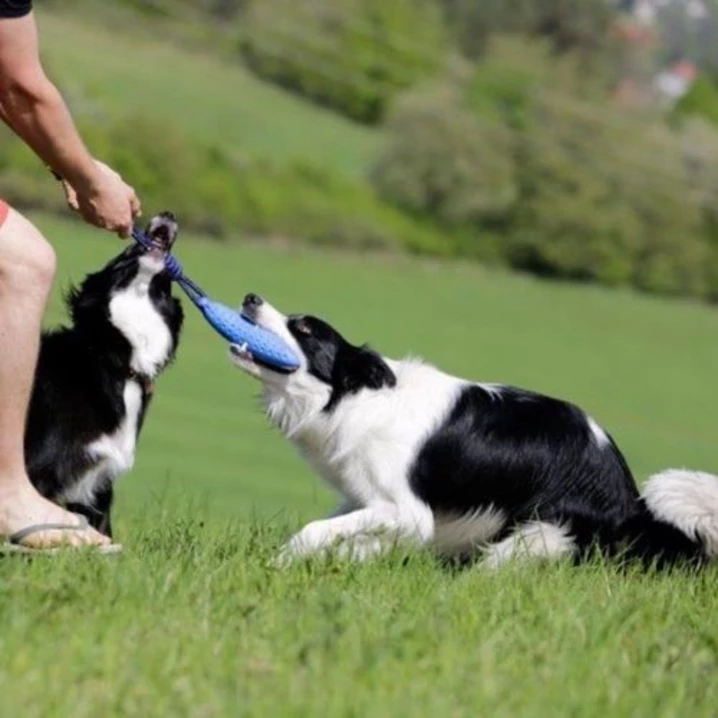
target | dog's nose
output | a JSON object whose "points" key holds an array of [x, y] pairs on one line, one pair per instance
{"points": [[253, 300]]}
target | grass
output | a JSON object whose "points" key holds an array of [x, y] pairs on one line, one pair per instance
{"points": [[192, 620], [104, 72]]}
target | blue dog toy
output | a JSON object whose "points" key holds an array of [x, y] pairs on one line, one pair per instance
{"points": [[264, 346]]}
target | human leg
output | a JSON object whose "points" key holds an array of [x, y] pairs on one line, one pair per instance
{"points": [[27, 268]]}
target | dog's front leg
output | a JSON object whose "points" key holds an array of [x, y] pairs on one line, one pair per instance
{"points": [[361, 533]]}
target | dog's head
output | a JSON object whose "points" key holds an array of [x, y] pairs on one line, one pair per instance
{"points": [[330, 368], [128, 306]]}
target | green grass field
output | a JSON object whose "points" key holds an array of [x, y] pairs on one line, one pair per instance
{"points": [[192, 621], [199, 94]]}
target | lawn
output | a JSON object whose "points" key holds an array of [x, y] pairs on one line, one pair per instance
{"points": [[192, 620], [103, 72]]}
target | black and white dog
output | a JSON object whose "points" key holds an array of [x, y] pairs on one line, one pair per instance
{"points": [[94, 379], [431, 459]]}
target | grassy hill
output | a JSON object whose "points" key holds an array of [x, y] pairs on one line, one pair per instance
{"points": [[192, 620], [109, 72]]}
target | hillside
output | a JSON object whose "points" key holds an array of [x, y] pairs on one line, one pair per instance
{"points": [[197, 92]]}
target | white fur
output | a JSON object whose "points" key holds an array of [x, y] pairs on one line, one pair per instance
{"points": [[599, 434], [363, 532], [132, 312], [537, 539], [493, 390], [362, 452], [359, 448], [456, 534], [689, 501], [114, 453]]}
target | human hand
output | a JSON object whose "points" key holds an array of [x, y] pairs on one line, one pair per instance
{"points": [[106, 201]]}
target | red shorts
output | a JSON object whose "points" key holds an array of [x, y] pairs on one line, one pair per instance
{"points": [[4, 209]]}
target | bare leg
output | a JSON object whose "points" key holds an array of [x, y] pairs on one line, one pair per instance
{"points": [[27, 268]]}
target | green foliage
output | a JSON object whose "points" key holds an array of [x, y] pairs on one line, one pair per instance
{"points": [[582, 27], [514, 71], [223, 194], [699, 145], [592, 210], [463, 174], [701, 100], [105, 74], [520, 159], [351, 55], [464, 171], [527, 151]]}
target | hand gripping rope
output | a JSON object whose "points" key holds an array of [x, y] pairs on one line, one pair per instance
{"points": [[264, 345]]}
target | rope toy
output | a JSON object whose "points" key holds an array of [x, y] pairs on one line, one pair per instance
{"points": [[263, 345]]}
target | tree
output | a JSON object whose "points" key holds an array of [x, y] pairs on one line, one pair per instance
{"points": [[595, 203], [582, 27], [351, 55], [442, 162]]}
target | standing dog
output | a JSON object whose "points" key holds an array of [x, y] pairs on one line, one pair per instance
{"points": [[95, 378], [432, 459]]}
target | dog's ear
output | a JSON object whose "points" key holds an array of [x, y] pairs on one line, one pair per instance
{"points": [[363, 368]]}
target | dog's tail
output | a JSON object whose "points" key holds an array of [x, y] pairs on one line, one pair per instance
{"points": [[678, 521]]}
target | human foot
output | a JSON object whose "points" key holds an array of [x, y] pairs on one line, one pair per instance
{"points": [[24, 514]]}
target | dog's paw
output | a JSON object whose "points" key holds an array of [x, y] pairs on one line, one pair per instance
{"points": [[289, 555], [305, 543], [282, 560]]}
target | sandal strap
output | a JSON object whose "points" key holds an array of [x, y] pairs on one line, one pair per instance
{"points": [[18, 536]]}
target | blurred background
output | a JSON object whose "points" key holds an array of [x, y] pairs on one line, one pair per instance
{"points": [[559, 158], [568, 139]]}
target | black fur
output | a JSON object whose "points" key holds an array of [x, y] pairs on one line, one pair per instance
{"points": [[536, 458], [80, 378], [333, 360]]}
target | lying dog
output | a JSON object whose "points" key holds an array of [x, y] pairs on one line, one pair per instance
{"points": [[431, 459], [94, 379]]}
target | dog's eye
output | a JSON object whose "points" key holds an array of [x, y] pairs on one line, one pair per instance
{"points": [[303, 327]]}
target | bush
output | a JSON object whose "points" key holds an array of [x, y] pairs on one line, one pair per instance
{"points": [[351, 55], [593, 209], [699, 146], [581, 27], [701, 100], [527, 164], [443, 164]]}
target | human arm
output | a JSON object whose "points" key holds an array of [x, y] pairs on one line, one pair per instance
{"points": [[34, 109]]}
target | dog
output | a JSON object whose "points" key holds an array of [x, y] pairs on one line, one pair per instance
{"points": [[475, 471], [94, 379]]}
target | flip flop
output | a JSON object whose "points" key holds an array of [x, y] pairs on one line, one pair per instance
{"points": [[12, 544]]}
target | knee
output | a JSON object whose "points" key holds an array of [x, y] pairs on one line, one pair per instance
{"points": [[27, 261], [40, 263]]}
